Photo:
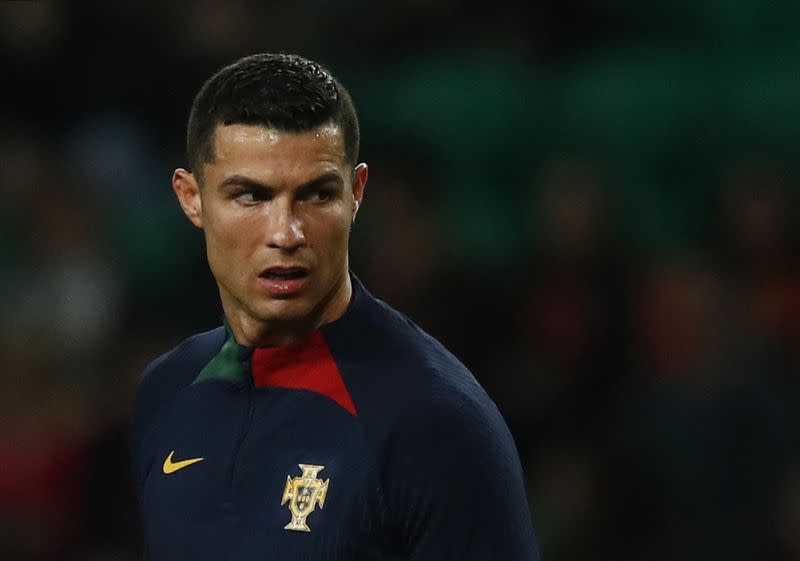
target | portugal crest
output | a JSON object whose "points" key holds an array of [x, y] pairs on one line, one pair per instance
{"points": [[303, 494]]}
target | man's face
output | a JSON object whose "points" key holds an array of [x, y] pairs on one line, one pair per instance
{"points": [[276, 208]]}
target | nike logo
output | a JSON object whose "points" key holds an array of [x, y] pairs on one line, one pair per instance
{"points": [[172, 467]]}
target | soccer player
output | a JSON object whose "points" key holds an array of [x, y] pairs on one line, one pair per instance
{"points": [[317, 423]]}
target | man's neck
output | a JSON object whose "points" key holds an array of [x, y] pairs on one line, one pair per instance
{"points": [[252, 331]]}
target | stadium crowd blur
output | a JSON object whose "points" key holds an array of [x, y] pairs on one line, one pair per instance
{"points": [[592, 204]]}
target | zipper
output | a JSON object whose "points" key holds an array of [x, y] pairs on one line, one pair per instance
{"points": [[246, 424]]}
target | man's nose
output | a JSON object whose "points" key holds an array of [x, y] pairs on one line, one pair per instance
{"points": [[286, 230]]}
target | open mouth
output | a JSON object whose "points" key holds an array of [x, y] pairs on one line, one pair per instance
{"points": [[285, 273]]}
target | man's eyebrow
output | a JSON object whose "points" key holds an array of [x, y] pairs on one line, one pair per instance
{"points": [[328, 177], [244, 181]]}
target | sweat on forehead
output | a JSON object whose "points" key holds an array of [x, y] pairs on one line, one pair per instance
{"points": [[256, 141]]}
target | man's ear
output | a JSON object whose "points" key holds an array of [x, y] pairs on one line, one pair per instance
{"points": [[360, 175], [188, 191]]}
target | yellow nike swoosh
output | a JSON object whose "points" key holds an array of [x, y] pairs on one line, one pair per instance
{"points": [[172, 467]]}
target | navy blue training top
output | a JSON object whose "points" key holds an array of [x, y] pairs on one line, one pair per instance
{"points": [[367, 442]]}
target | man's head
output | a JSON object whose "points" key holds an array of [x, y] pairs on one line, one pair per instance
{"points": [[272, 143], [280, 91]]}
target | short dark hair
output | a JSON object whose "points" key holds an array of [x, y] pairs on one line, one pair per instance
{"points": [[281, 91]]}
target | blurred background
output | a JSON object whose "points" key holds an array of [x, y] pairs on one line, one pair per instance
{"points": [[592, 203]]}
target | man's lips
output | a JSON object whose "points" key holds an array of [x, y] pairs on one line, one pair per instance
{"points": [[284, 281]]}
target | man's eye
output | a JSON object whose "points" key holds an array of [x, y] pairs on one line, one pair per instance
{"points": [[322, 195], [250, 197]]}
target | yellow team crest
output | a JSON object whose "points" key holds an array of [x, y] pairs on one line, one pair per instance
{"points": [[303, 494]]}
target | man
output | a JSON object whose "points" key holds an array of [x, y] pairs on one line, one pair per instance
{"points": [[318, 422]]}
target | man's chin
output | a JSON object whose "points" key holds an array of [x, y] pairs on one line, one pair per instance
{"points": [[285, 310]]}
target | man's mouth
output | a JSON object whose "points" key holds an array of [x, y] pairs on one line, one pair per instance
{"points": [[284, 273]]}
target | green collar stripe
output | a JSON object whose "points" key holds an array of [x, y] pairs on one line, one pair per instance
{"points": [[225, 365]]}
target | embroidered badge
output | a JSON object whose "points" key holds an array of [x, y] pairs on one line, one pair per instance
{"points": [[303, 494]]}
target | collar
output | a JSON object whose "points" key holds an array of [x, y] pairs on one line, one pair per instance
{"points": [[305, 365]]}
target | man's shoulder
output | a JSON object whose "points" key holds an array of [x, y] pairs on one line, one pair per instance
{"points": [[175, 369], [162, 379], [390, 334], [180, 364], [407, 369]]}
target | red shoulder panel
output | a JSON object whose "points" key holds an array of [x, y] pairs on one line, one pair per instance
{"points": [[304, 366]]}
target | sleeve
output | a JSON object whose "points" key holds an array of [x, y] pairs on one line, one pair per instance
{"points": [[456, 489], [143, 409]]}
